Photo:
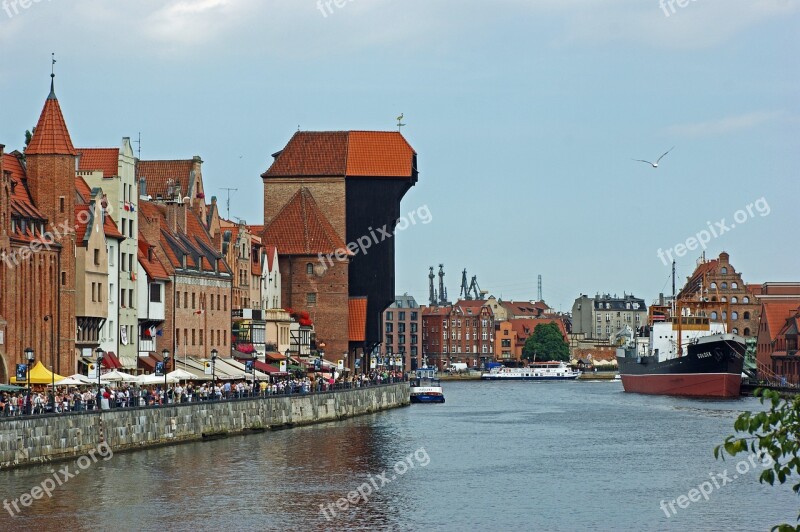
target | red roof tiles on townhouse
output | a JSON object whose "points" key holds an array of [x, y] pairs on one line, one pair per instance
{"points": [[111, 230], [357, 319], [151, 265], [81, 213], [83, 190], [21, 201], [104, 159], [776, 313], [300, 228], [156, 174], [344, 153], [257, 230], [51, 136]]}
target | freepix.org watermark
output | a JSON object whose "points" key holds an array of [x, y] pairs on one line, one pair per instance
{"points": [[12, 7], [717, 481], [376, 236], [57, 479], [668, 6], [326, 6], [375, 483], [715, 230]]}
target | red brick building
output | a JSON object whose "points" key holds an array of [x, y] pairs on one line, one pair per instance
{"points": [[354, 181], [776, 348], [462, 332], [37, 247]]}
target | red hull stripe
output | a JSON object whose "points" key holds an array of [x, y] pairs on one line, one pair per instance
{"points": [[686, 384]]}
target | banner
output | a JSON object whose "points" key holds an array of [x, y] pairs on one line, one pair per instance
{"points": [[22, 372], [207, 368], [92, 373], [159, 369], [340, 364], [283, 366], [249, 366]]}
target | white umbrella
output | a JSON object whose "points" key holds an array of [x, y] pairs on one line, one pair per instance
{"points": [[182, 375], [82, 378], [114, 376], [69, 381], [156, 379]]}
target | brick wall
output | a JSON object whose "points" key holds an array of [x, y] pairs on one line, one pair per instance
{"points": [[329, 193], [330, 313]]}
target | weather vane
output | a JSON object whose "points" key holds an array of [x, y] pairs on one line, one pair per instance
{"points": [[53, 65], [400, 123]]}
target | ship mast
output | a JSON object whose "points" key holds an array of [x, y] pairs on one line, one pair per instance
{"points": [[678, 311]]}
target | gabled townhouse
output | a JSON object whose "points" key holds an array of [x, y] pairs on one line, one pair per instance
{"points": [[114, 170], [153, 282], [198, 305]]}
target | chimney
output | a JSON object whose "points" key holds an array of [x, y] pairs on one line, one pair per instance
{"points": [[176, 215], [142, 187]]}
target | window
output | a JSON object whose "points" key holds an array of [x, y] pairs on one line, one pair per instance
{"points": [[218, 305], [723, 270], [225, 338], [401, 316], [389, 327], [212, 302], [724, 285], [111, 252], [401, 327], [734, 285], [745, 299], [155, 293], [747, 331], [186, 337], [311, 298], [713, 286], [177, 337], [201, 336], [389, 315], [225, 300], [178, 301], [186, 300], [413, 339], [193, 336], [734, 315], [97, 257], [414, 316], [61, 204], [94, 296], [194, 301], [100, 292], [735, 330], [130, 297], [310, 269], [122, 298], [734, 299], [747, 315], [413, 327]]}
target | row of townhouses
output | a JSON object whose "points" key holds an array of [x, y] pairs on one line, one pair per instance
{"points": [[103, 252]]}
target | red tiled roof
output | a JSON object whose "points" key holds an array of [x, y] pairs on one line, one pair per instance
{"points": [[105, 159], [51, 136], [525, 326], [153, 268], [111, 230], [257, 230], [523, 308], [357, 319], [776, 312], [300, 228], [83, 189], [80, 228], [379, 153], [156, 174], [344, 153], [21, 201]]}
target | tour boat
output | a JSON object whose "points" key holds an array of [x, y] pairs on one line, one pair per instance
{"points": [[539, 371], [426, 388]]}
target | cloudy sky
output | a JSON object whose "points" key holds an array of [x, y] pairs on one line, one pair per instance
{"points": [[526, 115]]}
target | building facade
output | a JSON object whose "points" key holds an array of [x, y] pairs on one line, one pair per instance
{"points": [[462, 332], [601, 317], [402, 341]]}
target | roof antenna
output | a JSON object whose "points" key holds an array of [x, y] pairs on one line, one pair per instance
{"points": [[228, 203], [139, 145], [400, 123]]}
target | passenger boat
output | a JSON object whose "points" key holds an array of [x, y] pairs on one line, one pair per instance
{"points": [[539, 371], [425, 387]]}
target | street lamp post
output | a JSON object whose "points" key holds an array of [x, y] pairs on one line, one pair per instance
{"points": [[49, 318], [165, 355], [287, 389], [100, 354], [214, 353], [29, 359]]}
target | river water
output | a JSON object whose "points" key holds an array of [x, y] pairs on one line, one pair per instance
{"points": [[497, 455]]}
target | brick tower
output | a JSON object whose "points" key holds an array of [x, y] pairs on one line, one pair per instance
{"points": [[51, 164]]}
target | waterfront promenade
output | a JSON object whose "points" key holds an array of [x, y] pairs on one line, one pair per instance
{"points": [[28, 440]]}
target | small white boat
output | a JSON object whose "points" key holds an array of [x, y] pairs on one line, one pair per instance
{"points": [[426, 388], [540, 371]]}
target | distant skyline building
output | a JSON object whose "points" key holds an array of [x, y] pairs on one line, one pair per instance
{"points": [[402, 332], [601, 316]]}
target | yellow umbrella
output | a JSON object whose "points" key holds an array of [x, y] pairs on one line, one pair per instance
{"points": [[39, 375]]}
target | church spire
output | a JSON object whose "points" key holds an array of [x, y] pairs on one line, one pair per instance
{"points": [[52, 95], [51, 136]]}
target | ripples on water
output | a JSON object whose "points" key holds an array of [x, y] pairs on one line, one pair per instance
{"points": [[520, 455]]}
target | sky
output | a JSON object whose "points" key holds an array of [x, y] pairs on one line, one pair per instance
{"points": [[526, 116]]}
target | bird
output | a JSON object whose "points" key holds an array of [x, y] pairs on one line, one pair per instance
{"points": [[655, 164]]}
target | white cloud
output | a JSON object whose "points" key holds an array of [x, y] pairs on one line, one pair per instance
{"points": [[728, 124]]}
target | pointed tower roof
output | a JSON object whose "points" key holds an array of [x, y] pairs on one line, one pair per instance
{"points": [[51, 136], [302, 229]]}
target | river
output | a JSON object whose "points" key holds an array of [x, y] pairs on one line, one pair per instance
{"points": [[497, 455]]}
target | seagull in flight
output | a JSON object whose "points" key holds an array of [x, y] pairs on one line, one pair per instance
{"points": [[655, 164]]}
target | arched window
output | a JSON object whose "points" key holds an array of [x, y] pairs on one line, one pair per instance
{"points": [[734, 299], [724, 315], [713, 298], [734, 285], [747, 331], [745, 299], [714, 315], [724, 285], [713, 286], [735, 330], [747, 315], [723, 270], [734, 315], [723, 299], [310, 269]]}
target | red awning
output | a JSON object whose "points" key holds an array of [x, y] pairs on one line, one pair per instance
{"points": [[265, 368], [147, 363], [110, 361]]}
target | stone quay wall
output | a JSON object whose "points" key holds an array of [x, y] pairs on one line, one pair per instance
{"points": [[31, 440]]}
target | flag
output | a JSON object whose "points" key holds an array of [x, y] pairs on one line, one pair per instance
{"points": [[160, 332], [199, 311]]}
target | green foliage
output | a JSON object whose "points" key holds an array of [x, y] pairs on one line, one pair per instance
{"points": [[547, 343], [29, 135], [774, 435]]}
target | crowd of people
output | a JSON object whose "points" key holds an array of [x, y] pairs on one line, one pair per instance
{"points": [[83, 398]]}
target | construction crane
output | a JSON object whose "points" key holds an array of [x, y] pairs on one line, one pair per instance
{"points": [[475, 289], [465, 289]]}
